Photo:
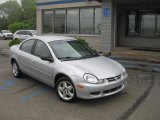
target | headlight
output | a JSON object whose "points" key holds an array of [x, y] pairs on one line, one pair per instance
{"points": [[124, 74], [90, 78]]}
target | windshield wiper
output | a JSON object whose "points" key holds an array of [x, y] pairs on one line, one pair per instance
{"points": [[88, 56], [68, 58]]}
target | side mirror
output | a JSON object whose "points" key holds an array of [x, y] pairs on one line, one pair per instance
{"points": [[49, 59]]}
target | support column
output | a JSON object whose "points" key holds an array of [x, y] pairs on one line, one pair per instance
{"points": [[39, 22], [106, 34]]}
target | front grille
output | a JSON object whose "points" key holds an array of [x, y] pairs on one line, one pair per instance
{"points": [[112, 79], [112, 90], [9, 35], [95, 93]]}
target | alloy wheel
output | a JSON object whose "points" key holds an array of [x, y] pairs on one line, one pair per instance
{"points": [[15, 69], [66, 90]]}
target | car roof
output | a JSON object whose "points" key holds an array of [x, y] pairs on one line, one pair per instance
{"points": [[49, 38], [25, 30]]}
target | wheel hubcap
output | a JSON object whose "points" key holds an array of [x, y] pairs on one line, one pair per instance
{"points": [[65, 90], [15, 69]]}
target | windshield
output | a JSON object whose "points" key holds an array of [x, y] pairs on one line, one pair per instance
{"points": [[6, 31], [34, 32], [71, 50]]}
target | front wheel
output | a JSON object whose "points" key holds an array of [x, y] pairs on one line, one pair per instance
{"points": [[4, 38], [66, 90], [16, 70]]}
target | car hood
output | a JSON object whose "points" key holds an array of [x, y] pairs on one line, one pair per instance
{"points": [[7, 33], [102, 67]]}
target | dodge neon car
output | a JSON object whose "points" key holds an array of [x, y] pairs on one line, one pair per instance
{"points": [[75, 70]]}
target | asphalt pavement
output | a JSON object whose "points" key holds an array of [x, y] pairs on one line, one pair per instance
{"points": [[29, 99]]}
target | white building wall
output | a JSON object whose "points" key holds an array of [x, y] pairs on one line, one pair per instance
{"points": [[106, 35]]}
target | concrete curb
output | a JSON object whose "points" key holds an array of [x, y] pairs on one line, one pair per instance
{"points": [[136, 57], [138, 65]]}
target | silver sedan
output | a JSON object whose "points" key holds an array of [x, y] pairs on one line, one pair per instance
{"points": [[75, 70]]}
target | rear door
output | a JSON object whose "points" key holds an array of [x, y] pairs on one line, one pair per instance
{"points": [[25, 56]]}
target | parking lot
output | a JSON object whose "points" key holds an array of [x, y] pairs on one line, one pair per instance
{"points": [[28, 99]]}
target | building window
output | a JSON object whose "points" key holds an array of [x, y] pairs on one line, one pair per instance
{"points": [[158, 25], [73, 21], [59, 21], [98, 20], [47, 21], [132, 24], [148, 24], [143, 23], [86, 21]]}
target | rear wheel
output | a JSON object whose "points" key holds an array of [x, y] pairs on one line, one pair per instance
{"points": [[16, 70], [66, 90]]}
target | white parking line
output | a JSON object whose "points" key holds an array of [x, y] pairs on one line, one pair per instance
{"points": [[5, 70], [4, 59], [6, 64]]}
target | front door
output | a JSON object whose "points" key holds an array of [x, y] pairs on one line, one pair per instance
{"points": [[42, 69]]}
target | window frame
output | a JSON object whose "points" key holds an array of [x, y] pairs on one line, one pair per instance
{"points": [[138, 20], [79, 25], [52, 22], [67, 19]]}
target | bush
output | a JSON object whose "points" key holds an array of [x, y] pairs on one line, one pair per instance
{"points": [[82, 41], [14, 42], [19, 26]]}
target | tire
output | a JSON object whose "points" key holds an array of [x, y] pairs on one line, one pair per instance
{"points": [[16, 70], [4, 38], [65, 90]]}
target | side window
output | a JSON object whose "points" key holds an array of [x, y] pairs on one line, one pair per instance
{"points": [[27, 46], [18, 33], [23, 32], [41, 50], [28, 33]]}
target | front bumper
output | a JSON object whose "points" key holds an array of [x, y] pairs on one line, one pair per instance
{"points": [[92, 91], [9, 37]]}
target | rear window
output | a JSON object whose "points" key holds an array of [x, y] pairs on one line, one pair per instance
{"points": [[21, 32], [27, 46]]}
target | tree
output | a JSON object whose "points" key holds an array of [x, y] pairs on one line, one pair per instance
{"points": [[29, 11], [13, 27], [13, 14], [11, 10]]}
